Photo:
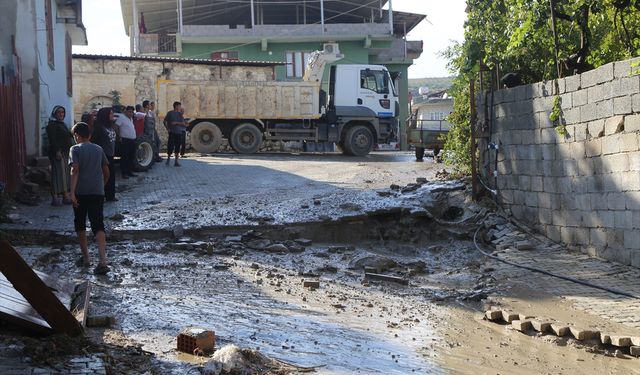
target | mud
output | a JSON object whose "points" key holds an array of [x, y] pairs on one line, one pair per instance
{"points": [[248, 287]]}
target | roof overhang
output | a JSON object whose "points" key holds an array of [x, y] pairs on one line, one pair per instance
{"points": [[163, 15], [70, 14]]}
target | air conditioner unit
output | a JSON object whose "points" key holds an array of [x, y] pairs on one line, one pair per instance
{"points": [[331, 48]]}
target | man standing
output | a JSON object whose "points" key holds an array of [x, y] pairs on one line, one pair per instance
{"points": [[89, 173], [127, 142], [177, 128], [150, 127]]}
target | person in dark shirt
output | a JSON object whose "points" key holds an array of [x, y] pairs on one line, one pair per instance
{"points": [[177, 128], [104, 135], [89, 172], [60, 140]]}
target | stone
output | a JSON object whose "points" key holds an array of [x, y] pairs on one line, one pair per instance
{"points": [[584, 334], [277, 248], [310, 284], [634, 351], [233, 238], [303, 242], [521, 325], [524, 245], [620, 341], [541, 326], [509, 316], [493, 314], [559, 330]]}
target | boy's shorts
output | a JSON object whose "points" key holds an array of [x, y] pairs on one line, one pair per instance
{"points": [[89, 205]]}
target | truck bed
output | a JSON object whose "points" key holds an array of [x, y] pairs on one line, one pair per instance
{"points": [[241, 99]]}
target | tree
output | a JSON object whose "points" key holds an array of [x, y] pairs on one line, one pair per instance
{"points": [[516, 36]]}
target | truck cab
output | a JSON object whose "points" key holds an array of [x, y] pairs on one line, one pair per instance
{"points": [[363, 95]]}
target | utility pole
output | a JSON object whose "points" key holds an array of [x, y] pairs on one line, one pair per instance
{"points": [[180, 16], [391, 17], [322, 14], [253, 18]]}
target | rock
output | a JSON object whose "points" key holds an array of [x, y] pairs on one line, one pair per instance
{"points": [[117, 217], [421, 180], [178, 231], [303, 242], [310, 284], [394, 187], [228, 359], [351, 207], [340, 249], [376, 262], [317, 202], [277, 248], [258, 244], [493, 314], [584, 334], [254, 266], [384, 193], [524, 245]]}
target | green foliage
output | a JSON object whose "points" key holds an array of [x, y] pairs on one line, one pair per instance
{"points": [[516, 36]]}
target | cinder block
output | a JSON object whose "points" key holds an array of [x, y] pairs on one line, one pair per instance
{"points": [[593, 147], [624, 220], [615, 162], [613, 125], [597, 236], [549, 185], [634, 351], [635, 103], [588, 112], [616, 201], [537, 184], [595, 94], [564, 185], [560, 330], [620, 341], [632, 123], [584, 334], [572, 83], [553, 231], [509, 317], [612, 89], [632, 239], [581, 133], [597, 76], [604, 109], [630, 85], [629, 142], [622, 105], [579, 98], [193, 338], [541, 326], [633, 200], [521, 325], [596, 128], [493, 314], [611, 144]]}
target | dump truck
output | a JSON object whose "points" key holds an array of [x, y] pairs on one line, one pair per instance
{"points": [[358, 109]]}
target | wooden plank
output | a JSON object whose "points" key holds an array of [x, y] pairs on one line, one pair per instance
{"points": [[80, 306], [36, 292]]}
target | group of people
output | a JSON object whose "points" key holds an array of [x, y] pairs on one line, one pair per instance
{"points": [[82, 161]]}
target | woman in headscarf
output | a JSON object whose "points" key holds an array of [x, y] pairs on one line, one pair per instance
{"points": [[60, 141], [104, 135]]}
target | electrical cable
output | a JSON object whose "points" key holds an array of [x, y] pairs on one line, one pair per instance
{"points": [[537, 270]]}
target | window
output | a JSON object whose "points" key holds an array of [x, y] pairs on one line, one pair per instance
{"points": [[375, 80], [48, 17], [225, 55], [297, 63], [67, 40], [436, 116]]}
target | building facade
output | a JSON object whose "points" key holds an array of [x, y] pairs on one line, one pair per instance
{"points": [[279, 31]]}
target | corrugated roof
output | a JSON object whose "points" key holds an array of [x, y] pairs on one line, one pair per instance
{"points": [[179, 60]]}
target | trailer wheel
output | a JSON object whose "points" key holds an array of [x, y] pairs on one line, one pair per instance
{"points": [[206, 137], [358, 141], [419, 153], [144, 156], [246, 138]]}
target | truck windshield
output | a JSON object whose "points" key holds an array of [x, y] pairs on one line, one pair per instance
{"points": [[375, 80]]}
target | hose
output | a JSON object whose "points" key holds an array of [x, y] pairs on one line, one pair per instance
{"points": [[566, 278]]}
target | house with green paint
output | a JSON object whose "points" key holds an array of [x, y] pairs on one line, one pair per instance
{"points": [[368, 32]]}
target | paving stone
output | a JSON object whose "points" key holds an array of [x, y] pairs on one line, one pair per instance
{"points": [[521, 325], [584, 334], [620, 341], [493, 314], [560, 330], [541, 326], [509, 316]]}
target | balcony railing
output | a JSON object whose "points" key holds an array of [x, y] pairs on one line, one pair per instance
{"points": [[157, 44]]}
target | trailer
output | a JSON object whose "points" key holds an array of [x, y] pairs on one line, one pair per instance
{"points": [[358, 108]]}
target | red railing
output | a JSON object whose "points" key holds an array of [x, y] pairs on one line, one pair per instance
{"points": [[12, 142]]}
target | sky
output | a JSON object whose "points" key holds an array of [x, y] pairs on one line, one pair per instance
{"points": [[444, 24]]}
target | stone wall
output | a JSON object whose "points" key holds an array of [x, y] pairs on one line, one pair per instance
{"points": [[583, 189]]}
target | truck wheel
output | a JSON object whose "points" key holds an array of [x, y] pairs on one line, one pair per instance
{"points": [[206, 137], [419, 153], [144, 156], [358, 141], [246, 138]]}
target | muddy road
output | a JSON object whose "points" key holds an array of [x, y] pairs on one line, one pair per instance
{"points": [[231, 251]]}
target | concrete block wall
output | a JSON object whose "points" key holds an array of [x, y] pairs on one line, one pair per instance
{"points": [[583, 189]]}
